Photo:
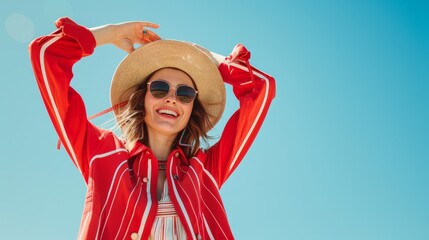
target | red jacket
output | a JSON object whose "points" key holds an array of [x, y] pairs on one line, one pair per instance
{"points": [[119, 205]]}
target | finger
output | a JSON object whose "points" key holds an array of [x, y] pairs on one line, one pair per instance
{"points": [[153, 36], [149, 36], [146, 25], [150, 24], [148, 33]]}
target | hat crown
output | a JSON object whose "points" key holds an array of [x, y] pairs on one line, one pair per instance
{"points": [[199, 63]]}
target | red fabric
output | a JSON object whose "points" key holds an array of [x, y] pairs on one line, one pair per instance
{"points": [[119, 203]]}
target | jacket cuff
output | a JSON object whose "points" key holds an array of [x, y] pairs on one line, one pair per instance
{"points": [[81, 34]]}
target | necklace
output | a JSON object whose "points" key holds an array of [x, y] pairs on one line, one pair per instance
{"points": [[162, 164]]}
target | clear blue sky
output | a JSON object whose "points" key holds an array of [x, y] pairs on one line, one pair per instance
{"points": [[343, 153]]}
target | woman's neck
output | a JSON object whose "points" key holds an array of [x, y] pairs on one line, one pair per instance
{"points": [[161, 145]]}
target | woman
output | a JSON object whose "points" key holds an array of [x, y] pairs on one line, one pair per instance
{"points": [[153, 182]]}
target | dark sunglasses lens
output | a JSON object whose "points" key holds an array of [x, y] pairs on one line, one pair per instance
{"points": [[186, 94], [159, 89]]}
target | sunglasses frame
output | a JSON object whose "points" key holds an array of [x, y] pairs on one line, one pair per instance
{"points": [[169, 89]]}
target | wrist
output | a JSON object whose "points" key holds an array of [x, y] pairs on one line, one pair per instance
{"points": [[103, 34]]}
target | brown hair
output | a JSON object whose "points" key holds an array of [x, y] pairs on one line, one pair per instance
{"points": [[131, 122]]}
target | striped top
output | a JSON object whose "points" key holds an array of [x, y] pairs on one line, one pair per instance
{"points": [[167, 225]]}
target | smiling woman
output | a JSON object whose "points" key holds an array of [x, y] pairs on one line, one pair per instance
{"points": [[154, 181], [162, 112]]}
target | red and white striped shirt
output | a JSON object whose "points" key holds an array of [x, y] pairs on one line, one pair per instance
{"points": [[119, 205], [167, 225]]}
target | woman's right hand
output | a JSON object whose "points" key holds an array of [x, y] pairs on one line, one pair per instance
{"points": [[125, 35]]}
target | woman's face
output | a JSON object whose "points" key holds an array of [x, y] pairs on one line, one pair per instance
{"points": [[167, 116]]}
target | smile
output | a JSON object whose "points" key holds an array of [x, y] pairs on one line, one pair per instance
{"points": [[168, 112]]}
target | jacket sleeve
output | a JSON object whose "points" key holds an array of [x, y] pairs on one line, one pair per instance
{"points": [[255, 90], [53, 57]]}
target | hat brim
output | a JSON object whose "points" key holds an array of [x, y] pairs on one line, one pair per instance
{"points": [[200, 64]]}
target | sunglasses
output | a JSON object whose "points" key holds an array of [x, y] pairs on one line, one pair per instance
{"points": [[161, 88]]}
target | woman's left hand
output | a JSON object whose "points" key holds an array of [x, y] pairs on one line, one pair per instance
{"points": [[125, 35]]}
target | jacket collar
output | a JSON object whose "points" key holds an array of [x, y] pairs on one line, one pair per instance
{"points": [[139, 147]]}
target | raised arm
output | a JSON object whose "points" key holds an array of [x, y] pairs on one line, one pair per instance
{"points": [[125, 35], [255, 90], [53, 57]]}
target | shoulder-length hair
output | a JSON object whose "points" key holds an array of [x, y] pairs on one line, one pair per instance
{"points": [[131, 122]]}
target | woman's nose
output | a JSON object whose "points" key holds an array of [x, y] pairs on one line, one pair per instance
{"points": [[171, 96]]}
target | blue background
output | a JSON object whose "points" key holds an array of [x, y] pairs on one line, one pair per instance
{"points": [[343, 153]]}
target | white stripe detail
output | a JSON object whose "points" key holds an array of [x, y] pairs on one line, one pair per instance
{"points": [[213, 216], [257, 116], [192, 207], [245, 83], [189, 200], [102, 155], [214, 183], [113, 201], [197, 192], [108, 196], [208, 190], [126, 210], [52, 100], [207, 172], [196, 177], [149, 198], [209, 232], [217, 200], [135, 205], [179, 200], [214, 197], [246, 69]]}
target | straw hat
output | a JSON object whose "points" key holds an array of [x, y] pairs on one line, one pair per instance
{"points": [[200, 64]]}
